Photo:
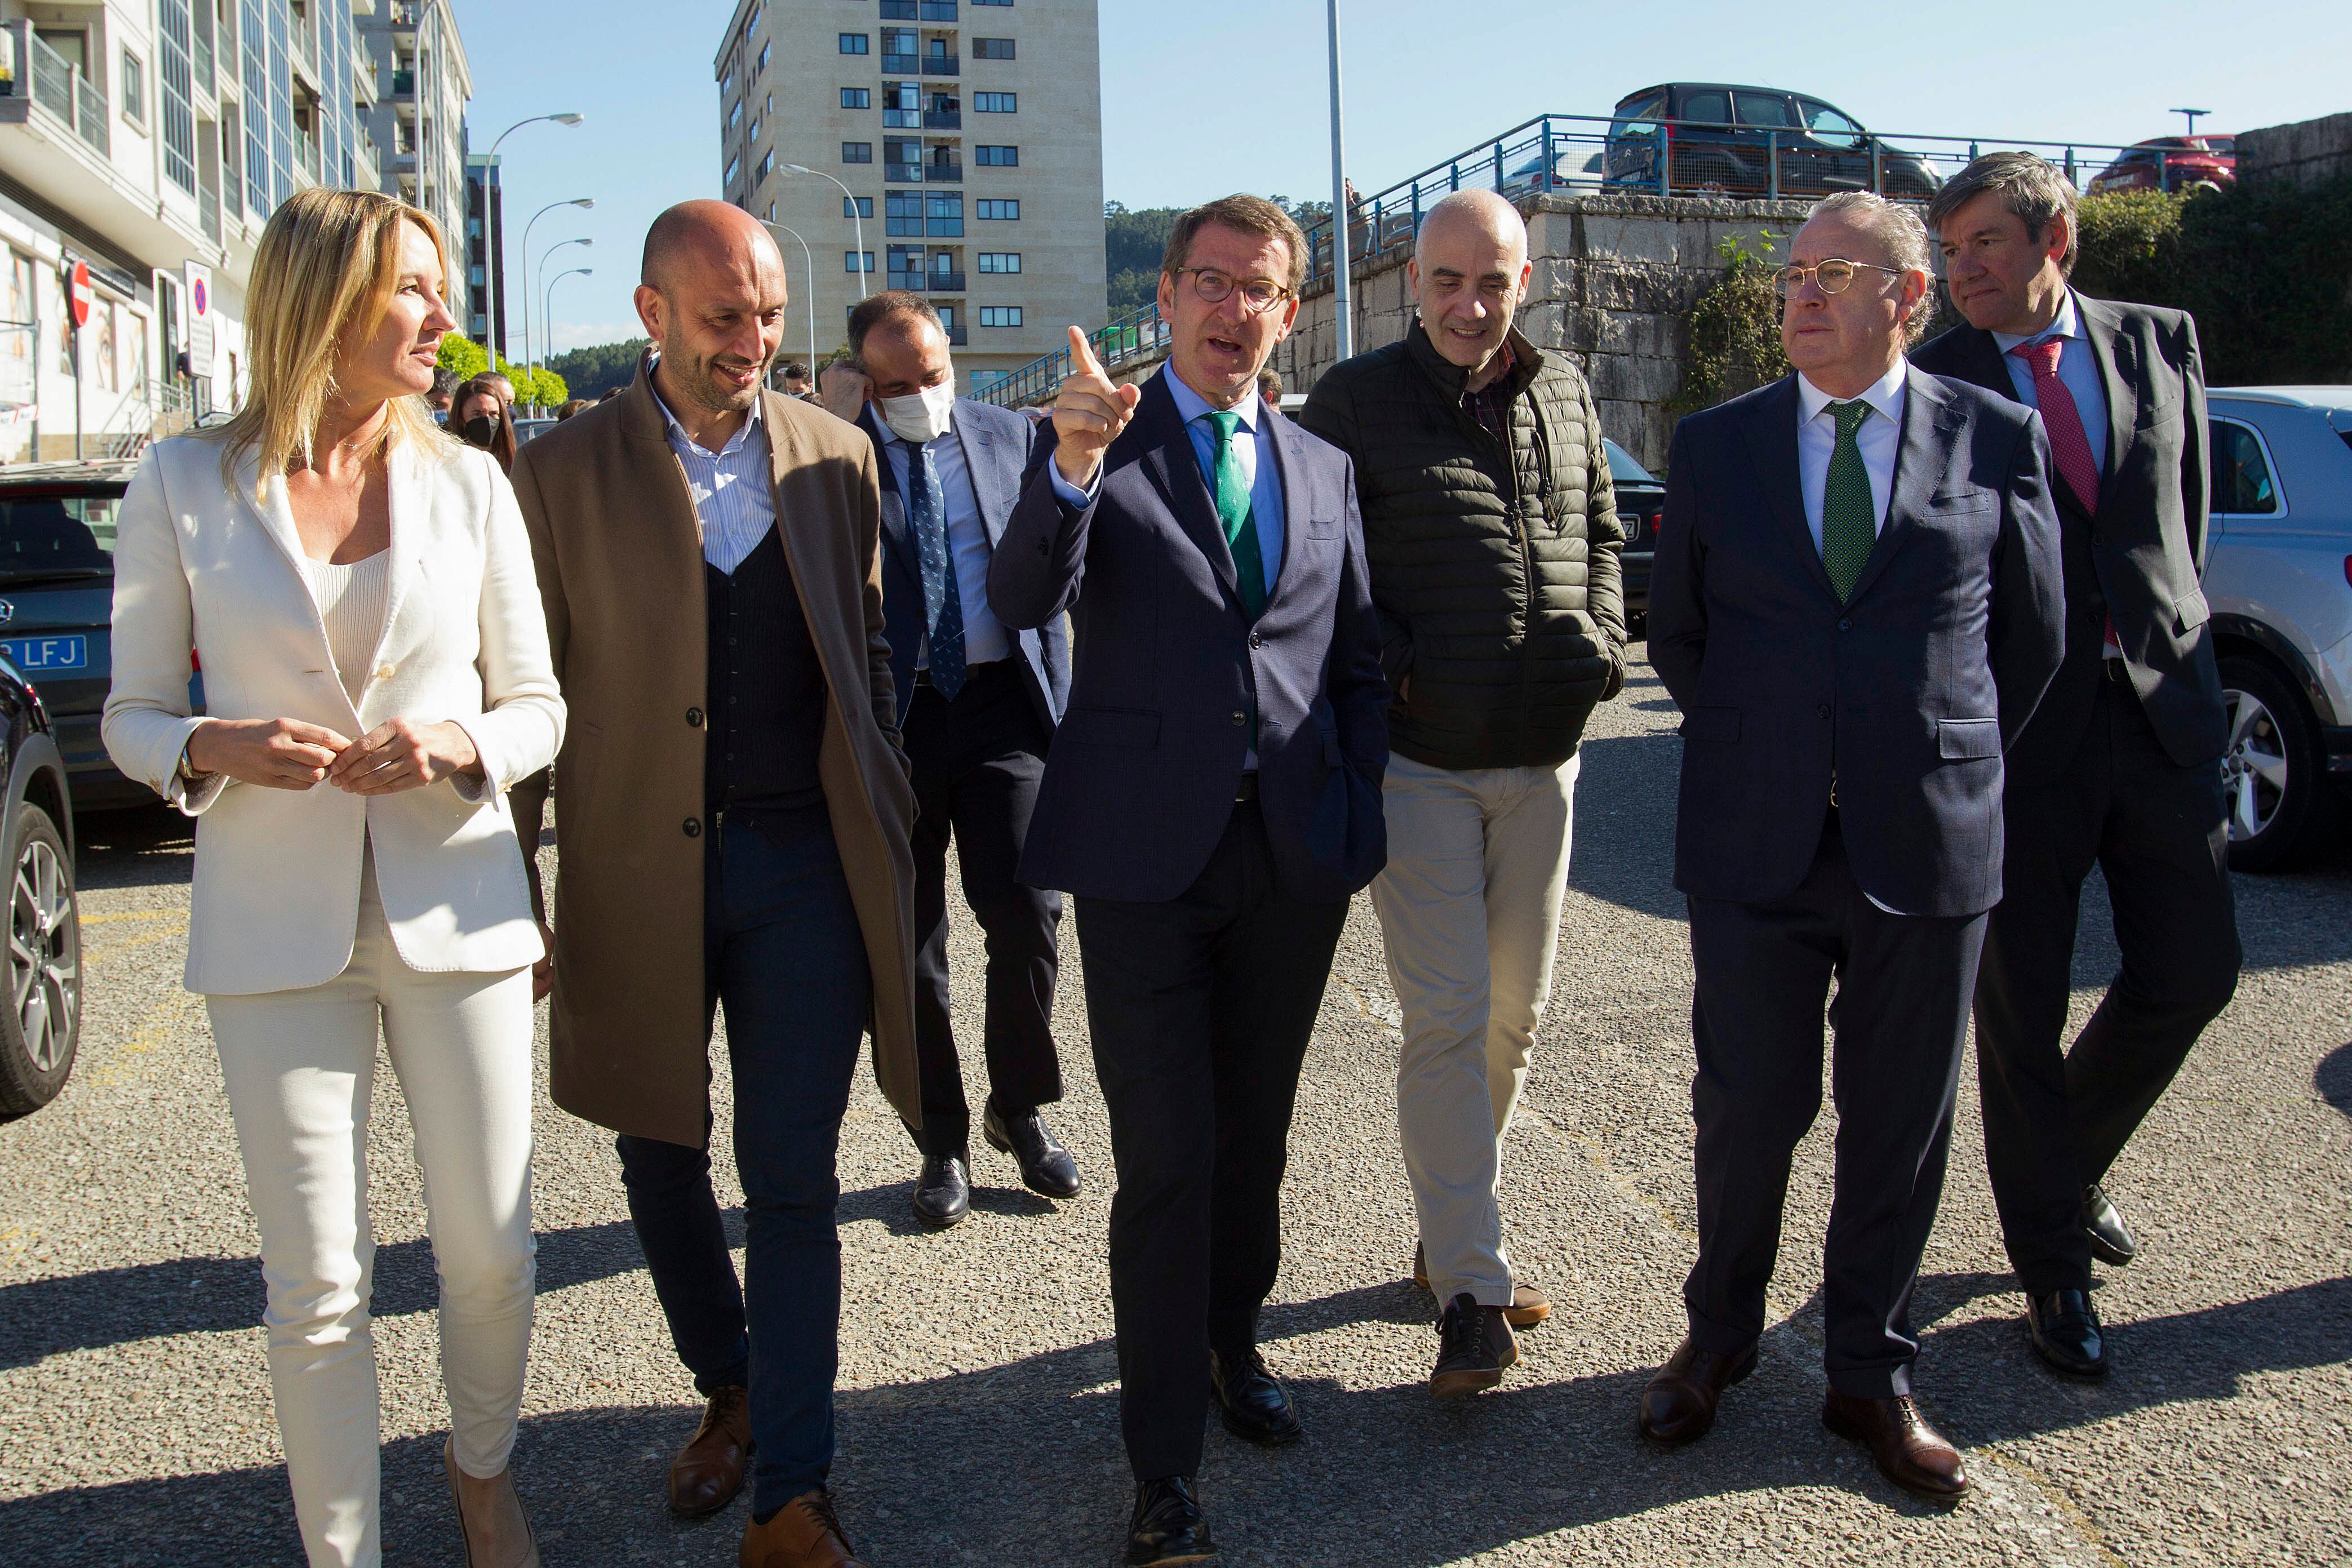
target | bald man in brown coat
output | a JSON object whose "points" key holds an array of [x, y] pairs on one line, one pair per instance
{"points": [[732, 832]]}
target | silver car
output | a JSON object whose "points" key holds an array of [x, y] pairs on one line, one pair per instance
{"points": [[2279, 580]]}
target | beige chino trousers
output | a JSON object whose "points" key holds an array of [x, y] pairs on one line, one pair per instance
{"points": [[1469, 909]]}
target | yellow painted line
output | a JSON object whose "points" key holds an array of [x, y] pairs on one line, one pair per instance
{"points": [[163, 1020], [92, 955], [2060, 1503], [180, 915]]}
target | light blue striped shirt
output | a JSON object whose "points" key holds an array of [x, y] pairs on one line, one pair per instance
{"points": [[731, 497]]}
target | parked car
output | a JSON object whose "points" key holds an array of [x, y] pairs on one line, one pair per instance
{"points": [[40, 1022], [1573, 169], [2278, 581], [2170, 164], [1723, 137], [56, 598], [1641, 508]]}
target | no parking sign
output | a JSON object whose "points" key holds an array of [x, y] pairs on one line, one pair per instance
{"points": [[200, 320]]}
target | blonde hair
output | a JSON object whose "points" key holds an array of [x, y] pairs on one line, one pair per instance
{"points": [[323, 276]]}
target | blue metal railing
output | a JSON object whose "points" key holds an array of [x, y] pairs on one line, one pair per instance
{"points": [[1600, 154]]}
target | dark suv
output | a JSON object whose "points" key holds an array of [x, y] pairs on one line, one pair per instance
{"points": [[57, 601], [1724, 139]]}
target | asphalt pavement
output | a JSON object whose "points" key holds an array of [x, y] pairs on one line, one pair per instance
{"points": [[978, 1392]]}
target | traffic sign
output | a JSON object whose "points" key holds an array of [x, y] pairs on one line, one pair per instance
{"points": [[79, 294]]}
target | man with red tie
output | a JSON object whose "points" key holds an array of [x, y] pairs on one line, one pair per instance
{"points": [[2120, 764]]}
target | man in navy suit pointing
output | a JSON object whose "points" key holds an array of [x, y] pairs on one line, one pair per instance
{"points": [[1212, 800]]}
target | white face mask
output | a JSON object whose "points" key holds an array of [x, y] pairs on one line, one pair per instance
{"points": [[921, 416]]}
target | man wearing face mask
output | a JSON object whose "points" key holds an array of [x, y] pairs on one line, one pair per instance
{"points": [[1491, 527], [977, 704]]}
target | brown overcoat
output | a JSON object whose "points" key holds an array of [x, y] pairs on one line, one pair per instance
{"points": [[619, 554]]}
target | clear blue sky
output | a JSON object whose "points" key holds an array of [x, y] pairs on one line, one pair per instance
{"points": [[1425, 79]]}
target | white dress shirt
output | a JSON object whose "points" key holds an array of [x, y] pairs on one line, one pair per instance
{"points": [[1250, 442], [985, 638], [731, 497], [2078, 369], [1878, 440]]}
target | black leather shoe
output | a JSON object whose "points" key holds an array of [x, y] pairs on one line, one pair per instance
{"points": [[2065, 1328], [2110, 1239], [943, 1192], [1257, 1407], [1046, 1167], [1167, 1527]]}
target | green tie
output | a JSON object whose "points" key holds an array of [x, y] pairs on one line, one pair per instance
{"points": [[1233, 511], [1849, 520]]}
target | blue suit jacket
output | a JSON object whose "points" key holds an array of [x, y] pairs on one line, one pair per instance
{"points": [[1143, 774], [996, 442], [1909, 692]]}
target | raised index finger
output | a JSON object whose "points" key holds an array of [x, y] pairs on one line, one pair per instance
{"points": [[1082, 353]]}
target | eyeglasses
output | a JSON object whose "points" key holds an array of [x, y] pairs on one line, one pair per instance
{"points": [[1833, 276], [1260, 294]]}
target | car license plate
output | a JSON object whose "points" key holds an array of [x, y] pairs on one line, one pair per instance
{"points": [[32, 655]]}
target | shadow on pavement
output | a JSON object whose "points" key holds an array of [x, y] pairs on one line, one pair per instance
{"points": [[1020, 1463], [2334, 1079], [140, 846]]}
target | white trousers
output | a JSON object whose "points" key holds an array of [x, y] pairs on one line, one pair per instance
{"points": [[300, 1069], [1469, 910]]}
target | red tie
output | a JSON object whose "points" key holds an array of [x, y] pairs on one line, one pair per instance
{"points": [[2070, 447]]}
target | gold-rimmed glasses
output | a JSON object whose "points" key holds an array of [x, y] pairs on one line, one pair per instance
{"points": [[1215, 287], [1835, 275]]}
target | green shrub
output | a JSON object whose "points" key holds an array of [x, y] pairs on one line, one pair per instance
{"points": [[1735, 330]]}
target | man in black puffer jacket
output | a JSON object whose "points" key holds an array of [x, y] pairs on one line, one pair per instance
{"points": [[1491, 528]]}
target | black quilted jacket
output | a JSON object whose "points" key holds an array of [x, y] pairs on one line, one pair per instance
{"points": [[1494, 573]]}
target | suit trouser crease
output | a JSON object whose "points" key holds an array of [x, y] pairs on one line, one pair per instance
{"points": [[1200, 1009], [299, 1069], [2056, 1119], [785, 960], [977, 764], [1469, 908], [1900, 1018]]}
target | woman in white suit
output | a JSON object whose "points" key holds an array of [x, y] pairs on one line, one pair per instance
{"points": [[359, 589]]}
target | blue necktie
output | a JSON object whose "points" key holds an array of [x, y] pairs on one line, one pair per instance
{"points": [[942, 602]]}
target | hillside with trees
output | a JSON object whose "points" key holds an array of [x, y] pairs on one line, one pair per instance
{"points": [[592, 373]]}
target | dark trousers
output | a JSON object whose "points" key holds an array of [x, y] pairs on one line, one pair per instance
{"points": [[1901, 1016], [1200, 1008], [783, 955], [2056, 1119], [977, 761]]}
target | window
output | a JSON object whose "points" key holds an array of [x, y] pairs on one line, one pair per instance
{"points": [[857, 206], [996, 103], [903, 212], [2241, 472], [851, 260], [991, 2], [735, 115], [943, 215], [856, 43], [1707, 108], [858, 152], [1000, 315], [766, 164], [734, 166], [997, 157], [1828, 125], [134, 89], [727, 82], [858, 98], [1000, 261], [1000, 211], [1765, 110], [765, 50], [991, 49]]}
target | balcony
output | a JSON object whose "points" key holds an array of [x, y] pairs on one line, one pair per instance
{"points": [[939, 173], [901, 64], [902, 119], [902, 173], [899, 11], [944, 282], [957, 337], [942, 118], [408, 14], [938, 10], [941, 65], [404, 84], [65, 92]]}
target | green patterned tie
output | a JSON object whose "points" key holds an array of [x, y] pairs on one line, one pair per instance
{"points": [[1849, 520], [1233, 511]]}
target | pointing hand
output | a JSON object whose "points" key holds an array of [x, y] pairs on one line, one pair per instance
{"points": [[1088, 414]]}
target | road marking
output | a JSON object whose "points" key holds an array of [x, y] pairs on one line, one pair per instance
{"points": [[163, 1019], [178, 914], [2063, 1506]]}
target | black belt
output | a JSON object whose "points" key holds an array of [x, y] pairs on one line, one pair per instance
{"points": [[971, 672], [1247, 790]]}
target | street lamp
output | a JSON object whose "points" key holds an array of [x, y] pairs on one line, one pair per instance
{"points": [[576, 201], [809, 258], [567, 117], [549, 346], [1344, 344], [547, 299], [857, 225]]}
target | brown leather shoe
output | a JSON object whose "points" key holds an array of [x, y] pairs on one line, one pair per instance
{"points": [[1678, 1406], [1909, 1453], [709, 1471], [804, 1533], [1528, 1305]]}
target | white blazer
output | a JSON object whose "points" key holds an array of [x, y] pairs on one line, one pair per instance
{"points": [[200, 564]]}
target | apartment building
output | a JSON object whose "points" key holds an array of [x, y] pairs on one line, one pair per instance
{"points": [[967, 136], [419, 119], [485, 248], [149, 140]]}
